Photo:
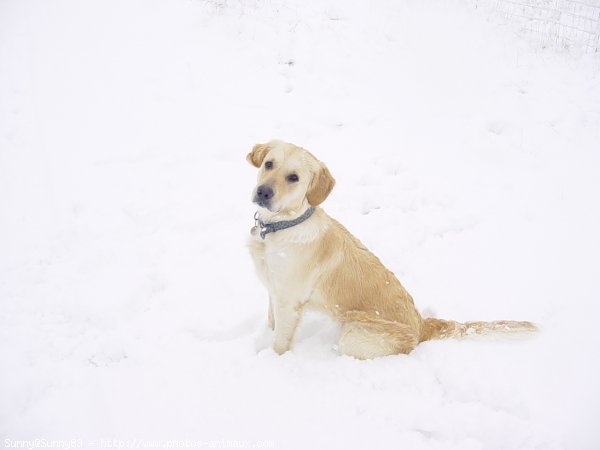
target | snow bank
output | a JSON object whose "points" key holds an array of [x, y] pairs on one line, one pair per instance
{"points": [[465, 158]]}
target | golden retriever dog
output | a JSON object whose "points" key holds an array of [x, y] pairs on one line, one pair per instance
{"points": [[304, 257]]}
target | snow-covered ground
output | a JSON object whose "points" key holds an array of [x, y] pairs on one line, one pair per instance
{"points": [[466, 158]]}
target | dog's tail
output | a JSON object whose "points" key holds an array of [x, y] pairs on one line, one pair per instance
{"points": [[443, 329]]}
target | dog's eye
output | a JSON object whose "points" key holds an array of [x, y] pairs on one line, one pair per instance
{"points": [[292, 178], [269, 165]]}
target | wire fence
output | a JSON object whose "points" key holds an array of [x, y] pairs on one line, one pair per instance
{"points": [[560, 23]]}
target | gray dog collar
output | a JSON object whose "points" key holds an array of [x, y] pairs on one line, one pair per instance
{"points": [[266, 228]]}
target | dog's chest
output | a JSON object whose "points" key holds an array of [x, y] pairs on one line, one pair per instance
{"points": [[281, 262], [280, 265]]}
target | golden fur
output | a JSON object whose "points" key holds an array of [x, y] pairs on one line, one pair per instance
{"points": [[318, 262]]}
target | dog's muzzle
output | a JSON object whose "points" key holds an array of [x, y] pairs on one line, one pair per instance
{"points": [[263, 196]]}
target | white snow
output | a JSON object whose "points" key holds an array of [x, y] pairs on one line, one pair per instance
{"points": [[466, 158]]}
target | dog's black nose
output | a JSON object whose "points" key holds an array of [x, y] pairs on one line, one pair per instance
{"points": [[264, 193]]}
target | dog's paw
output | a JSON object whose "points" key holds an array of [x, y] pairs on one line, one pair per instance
{"points": [[280, 349]]}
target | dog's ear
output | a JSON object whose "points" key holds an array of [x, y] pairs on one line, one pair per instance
{"points": [[320, 186], [258, 153]]}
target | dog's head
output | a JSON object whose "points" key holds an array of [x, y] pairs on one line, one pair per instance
{"points": [[289, 178]]}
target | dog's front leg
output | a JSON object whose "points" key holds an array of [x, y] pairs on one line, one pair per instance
{"points": [[270, 318], [287, 315]]}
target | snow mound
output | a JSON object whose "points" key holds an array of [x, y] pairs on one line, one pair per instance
{"points": [[465, 159]]}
